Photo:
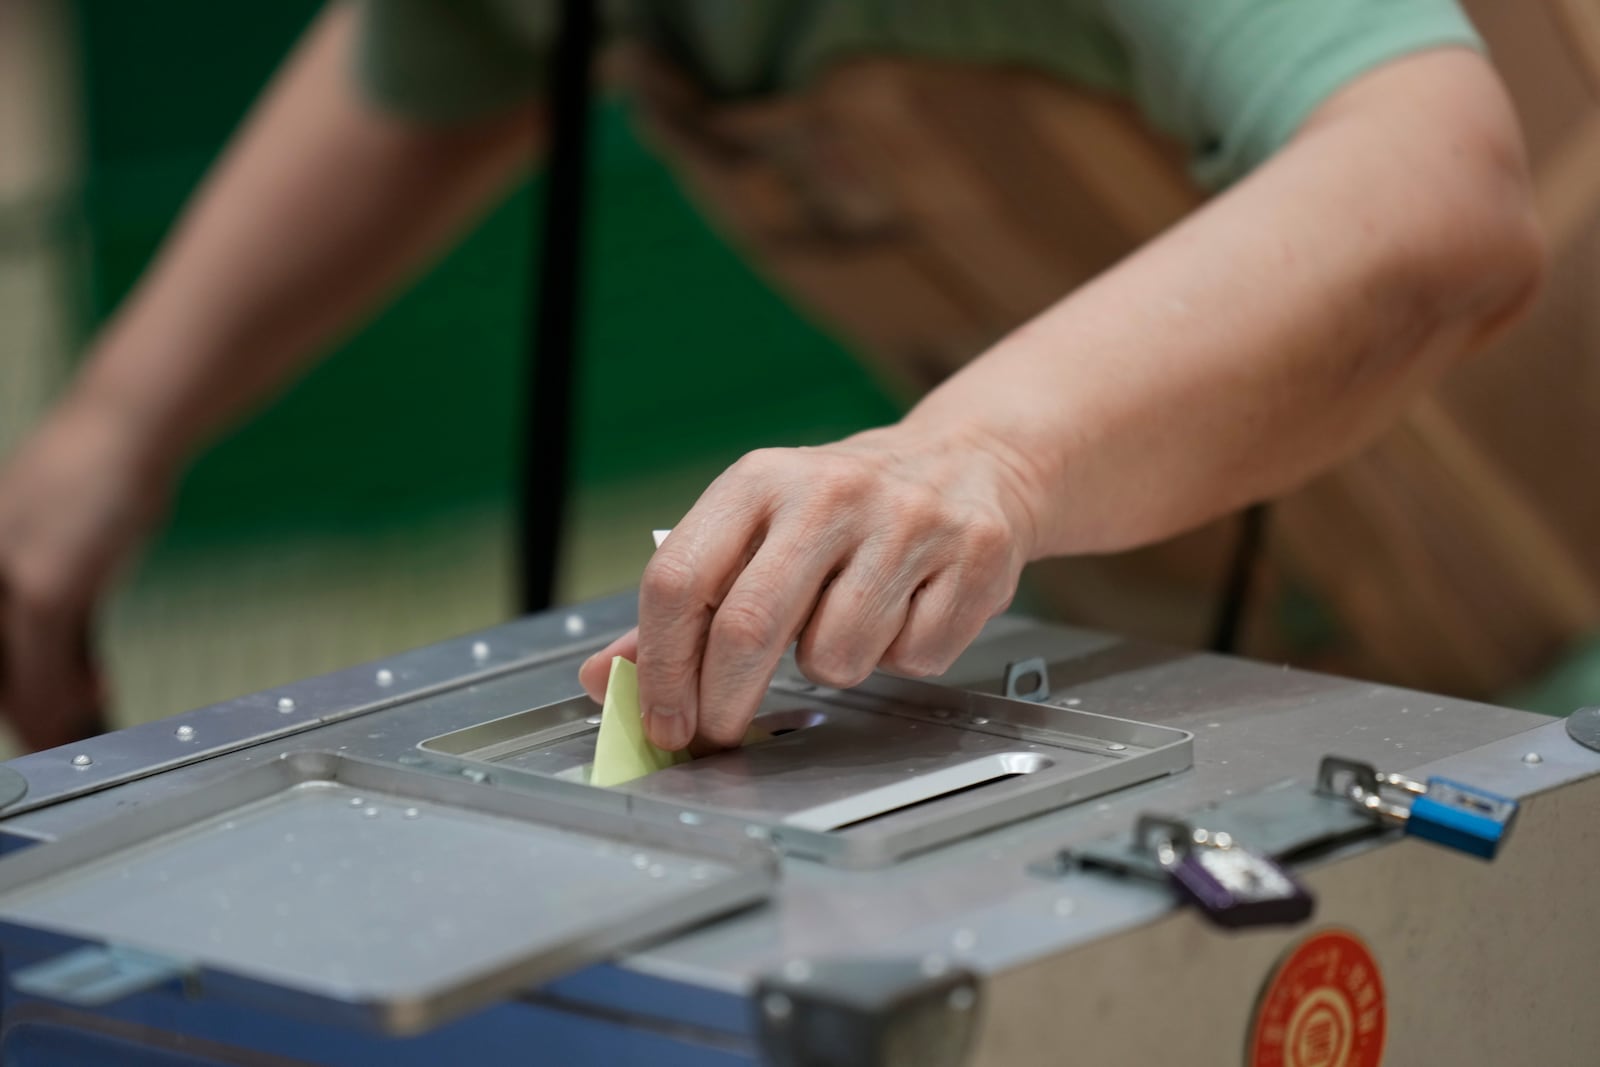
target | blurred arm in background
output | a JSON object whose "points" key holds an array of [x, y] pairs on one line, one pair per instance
{"points": [[320, 207]]}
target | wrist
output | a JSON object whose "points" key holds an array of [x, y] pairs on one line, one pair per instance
{"points": [[136, 388], [128, 435], [1022, 491], [993, 464]]}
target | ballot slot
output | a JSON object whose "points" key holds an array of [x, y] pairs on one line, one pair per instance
{"points": [[558, 740], [362, 894], [862, 808], [858, 778]]}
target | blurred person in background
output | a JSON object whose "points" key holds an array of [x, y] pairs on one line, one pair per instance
{"points": [[1371, 226]]}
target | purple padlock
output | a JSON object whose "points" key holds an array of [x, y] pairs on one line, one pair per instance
{"points": [[1233, 886]]}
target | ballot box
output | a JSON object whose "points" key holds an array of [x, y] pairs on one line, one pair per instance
{"points": [[1072, 849]]}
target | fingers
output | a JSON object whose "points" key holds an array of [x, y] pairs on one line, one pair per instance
{"points": [[856, 620], [871, 554], [913, 599], [74, 500], [768, 605], [596, 670], [682, 587], [940, 624], [975, 583], [49, 688]]}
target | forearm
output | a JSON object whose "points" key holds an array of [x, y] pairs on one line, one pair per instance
{"points": [[318, 209], [1274, 332]]}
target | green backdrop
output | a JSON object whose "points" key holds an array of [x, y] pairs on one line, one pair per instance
{"points": [[696, 360]]}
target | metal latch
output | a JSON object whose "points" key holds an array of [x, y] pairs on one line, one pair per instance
{"points": [[1286, 821], [1028, 679]]}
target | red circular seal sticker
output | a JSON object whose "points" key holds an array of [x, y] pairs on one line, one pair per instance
{"points": [[1322, 1007]]}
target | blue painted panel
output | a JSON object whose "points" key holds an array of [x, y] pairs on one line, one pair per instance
{"points": [[692, 1026], [519, 1033], [619, 989], [10, 842]]}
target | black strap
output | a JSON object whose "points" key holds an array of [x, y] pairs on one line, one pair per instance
{"points": [[553, 341], [1235, 597]]}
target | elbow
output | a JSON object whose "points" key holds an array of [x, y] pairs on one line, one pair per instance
{"points": [[1485, 265], [1526, 263], [1510, 271]]}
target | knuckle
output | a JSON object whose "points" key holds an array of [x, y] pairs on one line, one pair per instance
{"points": [[833, 666], [667, 580], [914, 513], [759, 464], [912, 663], [840, 482], [661, 679], [987, 535], [745, 625]]}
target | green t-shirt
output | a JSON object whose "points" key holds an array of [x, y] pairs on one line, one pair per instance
{"points": [[1232, 79]]}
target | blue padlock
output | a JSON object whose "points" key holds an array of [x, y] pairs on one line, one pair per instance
{"points": [[1461, 817], [1441, 810]]}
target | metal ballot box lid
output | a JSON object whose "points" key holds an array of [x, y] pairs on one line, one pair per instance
{"points": [[968, 928], [373, 896], [856, 778]]}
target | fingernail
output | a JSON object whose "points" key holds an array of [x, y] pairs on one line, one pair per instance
{"points": [[667, 728]]}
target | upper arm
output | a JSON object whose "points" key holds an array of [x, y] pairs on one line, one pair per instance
{"points": [[1436, 135], [1235, 79], [450, 60]]}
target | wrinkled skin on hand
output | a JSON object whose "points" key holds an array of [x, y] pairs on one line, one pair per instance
{"points": [[73, 507], [890, 550]]}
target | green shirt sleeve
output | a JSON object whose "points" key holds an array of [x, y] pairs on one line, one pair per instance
{"points": [[1234, 79], [451, 60]]}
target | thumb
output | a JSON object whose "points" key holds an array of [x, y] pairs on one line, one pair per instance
{"points": [[596, 670]]}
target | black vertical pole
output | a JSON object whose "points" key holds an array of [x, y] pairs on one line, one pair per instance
{"points": [[556, 309], [1240, 580]]}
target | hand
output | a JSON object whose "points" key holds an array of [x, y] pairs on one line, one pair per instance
{"points": [[889, 549], [73, 504]]}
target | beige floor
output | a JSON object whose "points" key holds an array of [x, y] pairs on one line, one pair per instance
{"points": [[201, 629], [206, 628], [38, 161]]}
